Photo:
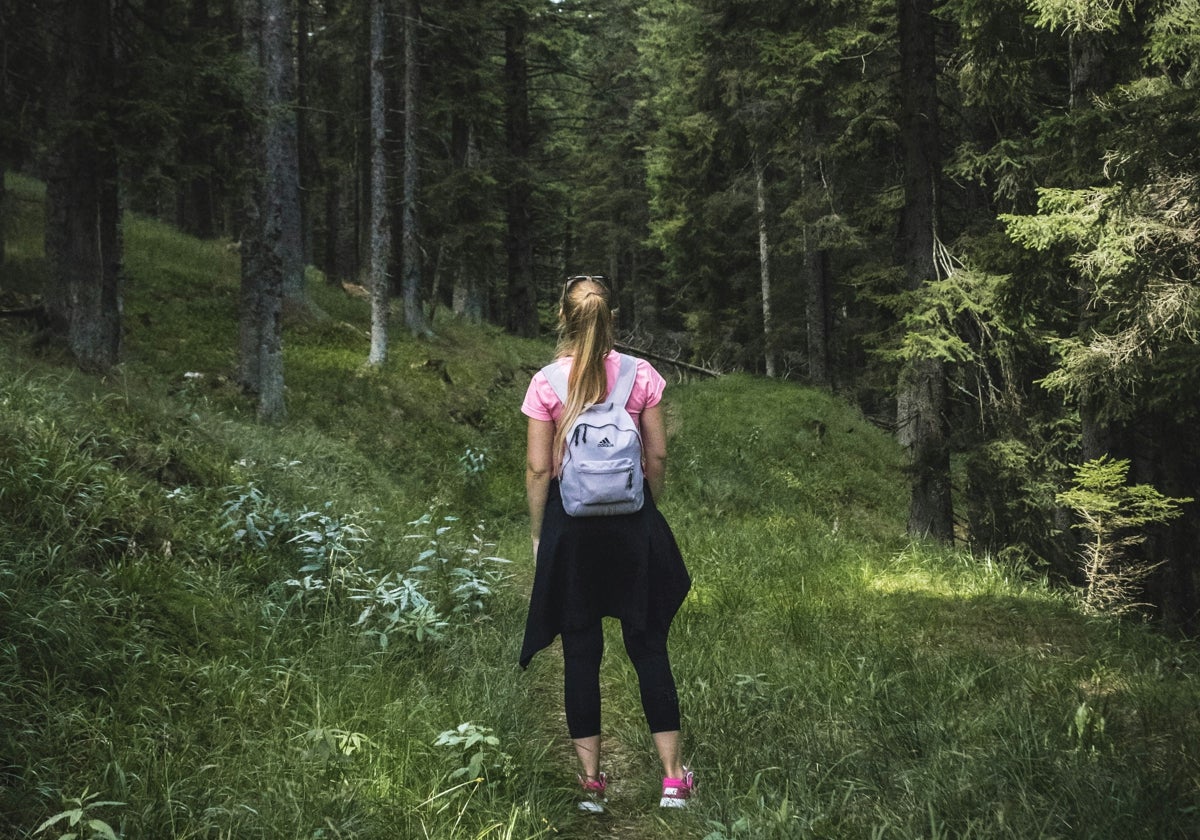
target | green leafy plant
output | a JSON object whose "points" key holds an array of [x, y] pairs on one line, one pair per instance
{"points": [[79, 816], [326, 541], [898, 692], [479, 749], [453, 575], [1114, 515], [463, 570], [331, 744], [473, 462], [395, 605], [252, 517]]}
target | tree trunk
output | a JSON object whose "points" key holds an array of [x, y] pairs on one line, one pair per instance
{"points": [[3, 157], [613, 258], [467, 298], [306, 152], [1090, 72], [818, 313], [3, 191], [251, 201], [283, 156], [340, 257], [818, 304], [921, 391], [330, 263], [83, 212], [261, 333], [522, 316], [764, 263], [1089, 76], [414, 313], [645, 300], [380, 236]]}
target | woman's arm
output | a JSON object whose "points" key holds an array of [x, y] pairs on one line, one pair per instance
{"points": [[654, 448], [539, 468]]}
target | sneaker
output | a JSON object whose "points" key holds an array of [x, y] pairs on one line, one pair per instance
{"points": [[677, 792], [593, 794]]}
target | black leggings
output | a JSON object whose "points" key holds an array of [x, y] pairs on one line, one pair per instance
{"points": [[647, 649]]}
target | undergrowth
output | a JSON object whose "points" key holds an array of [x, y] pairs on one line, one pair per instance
{"points": [[211, 629]]}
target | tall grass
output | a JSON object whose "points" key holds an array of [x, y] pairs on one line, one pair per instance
{"points": [[167, 670]]}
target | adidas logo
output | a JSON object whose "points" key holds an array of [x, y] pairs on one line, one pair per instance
{"points": [[605, 444]]}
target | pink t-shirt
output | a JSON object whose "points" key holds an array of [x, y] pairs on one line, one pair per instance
{"points": [[541, 403]]}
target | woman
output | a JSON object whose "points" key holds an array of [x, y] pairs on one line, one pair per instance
{"points": [[626, 566]]}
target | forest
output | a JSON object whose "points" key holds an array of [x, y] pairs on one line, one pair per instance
{"points": [[977, 221], [924, 276]]}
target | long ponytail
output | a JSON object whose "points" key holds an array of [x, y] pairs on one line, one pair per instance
{"points": [[585, 333]]}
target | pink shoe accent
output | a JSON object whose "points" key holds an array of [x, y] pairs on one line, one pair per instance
{"points": [[677, 792], [594, 797]]}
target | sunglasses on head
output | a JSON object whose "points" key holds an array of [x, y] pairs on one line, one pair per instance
{"points": [[578, 278], [595, 278]]}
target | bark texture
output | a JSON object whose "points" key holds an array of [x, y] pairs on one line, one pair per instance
{"points": [[764, 263], [265, 27], [414, 314], [380, 235], [921, 392], [83, 210]]}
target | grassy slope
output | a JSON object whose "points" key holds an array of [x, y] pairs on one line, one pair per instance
{"points": [[836, 681]]}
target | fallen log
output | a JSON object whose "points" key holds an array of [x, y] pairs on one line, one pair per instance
{"points": [[667, 360]]}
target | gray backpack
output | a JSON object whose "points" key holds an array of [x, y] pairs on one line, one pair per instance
{"points": [[602, 465]]}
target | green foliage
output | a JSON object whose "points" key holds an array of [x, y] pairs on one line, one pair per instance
{"points": [[174, 278], [1063, 216], [1135, 262], [1079, 15], [451, 577], [478, 747], [1175, 35], [797, 458], [793, 89], [80, 817], [957, 319], [1012, 486], [252, 518], [1115, 517]]}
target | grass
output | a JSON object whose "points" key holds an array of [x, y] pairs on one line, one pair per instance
{"points": [[173, 678]]}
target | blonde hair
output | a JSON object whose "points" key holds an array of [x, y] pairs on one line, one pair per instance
{"points": [[585, 333]]}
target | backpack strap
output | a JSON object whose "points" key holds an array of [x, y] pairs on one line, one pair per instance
{"points": [[557, 377], [622, 389]]}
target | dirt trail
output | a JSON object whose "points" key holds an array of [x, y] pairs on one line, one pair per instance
{"points": [[632, 812]]}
